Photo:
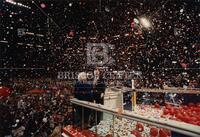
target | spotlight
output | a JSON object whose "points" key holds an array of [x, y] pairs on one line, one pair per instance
{"points": [[145, 22], [11, 2], [18, 4]]}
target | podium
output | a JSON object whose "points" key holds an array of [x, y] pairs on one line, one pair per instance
{"points": [[113, 98]]}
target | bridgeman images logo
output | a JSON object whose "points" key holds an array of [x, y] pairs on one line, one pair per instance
{"points": [[99, 54]]}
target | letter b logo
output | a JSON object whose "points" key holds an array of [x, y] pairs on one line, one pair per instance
{"points": [[98, 54]]}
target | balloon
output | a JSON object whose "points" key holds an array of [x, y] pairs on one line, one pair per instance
{"points": [[85, 132], [163, 133], [132, 24], [157, 105], [188, 114], [185, 107], [179, 115], [165, 111], [4, 92], [186, 119], [136, 133], [171, 111], [43, 5], [184, 65], [194, 119], [198, 105], [71, 33], [139, 127], [176, 111], [154, 132], [168, 106]]}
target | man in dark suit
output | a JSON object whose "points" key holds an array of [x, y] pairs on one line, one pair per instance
{"points": [[83, 91], [99, 90]]}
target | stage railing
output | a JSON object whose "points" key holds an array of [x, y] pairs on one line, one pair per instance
{"points": [[175, 126]]}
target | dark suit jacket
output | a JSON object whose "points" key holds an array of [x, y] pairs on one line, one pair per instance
{"points": [[83, 91]]}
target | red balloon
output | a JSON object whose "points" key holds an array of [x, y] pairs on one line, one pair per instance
{"points": [[154, 132], [176, 110], [195, 109], [198, 118], [185, 107], [168, 106], [179, 115], [198, 105], [139, 127], [78, 129], [4, 92], [132, 24], [165, 111], [191, 105], [157, 105], [194, 119], [79, 134], [163, 133], [136, 133], [171, 111], [186, 119], [85, 132]]}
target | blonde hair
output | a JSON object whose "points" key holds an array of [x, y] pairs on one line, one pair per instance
{"points": [[82, 76]]}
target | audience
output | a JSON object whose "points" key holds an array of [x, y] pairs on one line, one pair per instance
{"points": [[33, 115]]}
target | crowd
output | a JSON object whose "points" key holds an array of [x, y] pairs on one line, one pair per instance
{"points": [[168, 52], [26, 114], [34, 115], [23, 85]]}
